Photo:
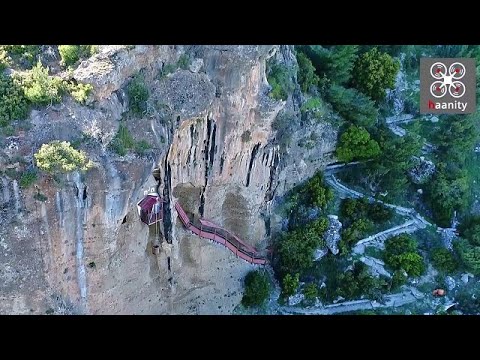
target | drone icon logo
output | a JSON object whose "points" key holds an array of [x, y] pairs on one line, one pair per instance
{"points": [[456, 88]]}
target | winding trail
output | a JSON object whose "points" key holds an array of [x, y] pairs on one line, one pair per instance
{"points": [[394, 300], [416, 221]]}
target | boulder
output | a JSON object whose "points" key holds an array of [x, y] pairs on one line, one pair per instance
{"points": [[450, 283], [295, 299]]}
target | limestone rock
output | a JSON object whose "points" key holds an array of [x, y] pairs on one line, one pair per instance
{"points": [[450, 282], [295, 299], [332, 235], [422, 170]]}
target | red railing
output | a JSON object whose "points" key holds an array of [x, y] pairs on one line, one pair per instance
{"points": [[211, 231]]}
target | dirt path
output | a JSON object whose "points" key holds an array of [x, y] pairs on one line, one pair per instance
{"points": [[395, 300]]}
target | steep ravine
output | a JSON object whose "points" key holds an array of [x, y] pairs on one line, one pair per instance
{"points": [[84, 250]]}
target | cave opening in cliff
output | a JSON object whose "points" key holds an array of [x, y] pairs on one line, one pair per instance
{"points": [[124, 219]]}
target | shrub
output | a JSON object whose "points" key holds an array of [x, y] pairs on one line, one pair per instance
{"points": [[122, 141], [374, 72], [356, 144], [183, 62], [13, 103], [315, 192], [138, 95], [356, 282], [399, 278], [40, 197], [352, 234], [469, 254], [246, 136], [40, 88], [141, 147], [296, 247], [354, 209], [59, 156], [444, 260], [257, 289], [280, 79], [70, 54], [310, 291], [167, 69], [313, 104], [24, 55], [470, 230], [290, 284], [27, 179], [401, 254], [80, 91], [306, 72]]}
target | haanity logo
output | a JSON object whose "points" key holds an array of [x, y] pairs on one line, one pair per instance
{"points": [[447, 85]]}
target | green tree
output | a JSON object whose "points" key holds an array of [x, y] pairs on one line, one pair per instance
{"points": [[27, 179], [401, 254], [69, 54], [138, 95], [469, 254], [341, 63], [444, 260], [333, 62], [388, 172], [310, 291], [257, 289], [306, 72], [470, 230], [59, 156], [447, 191], [400, 244], [40, 88], [290, 284], [353, 106], [457, 138], [280, 79], [316, 193], [353, 233], [399, 278], [13, 103], [374, 72], [355, 144]]}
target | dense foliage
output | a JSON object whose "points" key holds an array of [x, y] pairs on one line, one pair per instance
{"points": [[306, 72], [123, 141], [27, 179], [353, 106], [280, 79], [356, 144], [59, 156], [40, 88], [334, 62], [401, 254], [70, 54], [374, 72], [13, 103], [444, 260], [296, 247], [138, 95], [350, 283], [290, 284], [257, 289], [469, 255]]}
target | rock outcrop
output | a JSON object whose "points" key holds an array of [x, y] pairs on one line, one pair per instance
{"points": [[76, 245]]}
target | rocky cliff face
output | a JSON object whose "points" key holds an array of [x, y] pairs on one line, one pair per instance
{"points": [[83, 249]]}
